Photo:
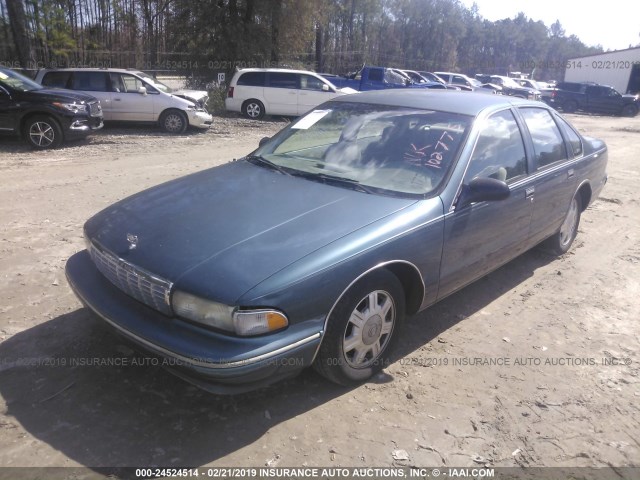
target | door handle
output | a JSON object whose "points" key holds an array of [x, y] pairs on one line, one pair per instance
{"points": [[570, 173], [116, 99], [528, 193]]}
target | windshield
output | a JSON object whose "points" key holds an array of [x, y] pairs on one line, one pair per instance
{"points": [[15, 81], [159, 85], [379, 149]]}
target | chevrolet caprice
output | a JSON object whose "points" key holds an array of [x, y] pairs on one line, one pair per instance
{"points": [[312, 249]]}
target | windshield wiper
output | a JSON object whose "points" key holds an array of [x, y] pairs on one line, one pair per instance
{"points": [[327, 178], [269, 163]]}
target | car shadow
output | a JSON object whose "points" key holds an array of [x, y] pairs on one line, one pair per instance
{"points": [[65, 382]]}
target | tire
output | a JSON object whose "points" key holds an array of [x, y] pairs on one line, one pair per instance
{"points": [[42, 132], [570, 106], [560, 242], [174, 121], [359, 337], [253, 109], [629, 111]]}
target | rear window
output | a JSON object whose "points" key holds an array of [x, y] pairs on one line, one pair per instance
{"points": [[56, 79], [252, 79], [90, 81]]}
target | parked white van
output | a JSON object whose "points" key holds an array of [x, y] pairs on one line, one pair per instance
{"points": [[134, 96], [256, 92]]}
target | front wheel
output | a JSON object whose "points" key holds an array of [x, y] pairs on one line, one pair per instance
{"points": [[629, 111], [361, 329], [174, 121], [42, 132], [560, 242]]}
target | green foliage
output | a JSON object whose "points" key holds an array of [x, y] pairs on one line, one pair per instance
{"points": [[202, 38]]}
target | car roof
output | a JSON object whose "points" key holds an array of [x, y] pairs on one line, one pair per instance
{"points": [[280, 70], [464, 103]]}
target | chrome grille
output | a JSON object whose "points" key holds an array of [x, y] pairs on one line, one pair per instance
{"points": [[95, 110], [134, 281]]}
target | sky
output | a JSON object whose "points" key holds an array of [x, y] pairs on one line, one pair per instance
{"points": [[614, 24]]}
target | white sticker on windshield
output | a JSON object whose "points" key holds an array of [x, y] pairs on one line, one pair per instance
{"points": [[311, 119]]}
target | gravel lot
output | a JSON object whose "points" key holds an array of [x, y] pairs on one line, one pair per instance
{"points": [[562, 335]]}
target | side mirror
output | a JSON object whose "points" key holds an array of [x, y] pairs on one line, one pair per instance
{"points": [[482, 190], [325, 87], [263, 140], [142, 90]]}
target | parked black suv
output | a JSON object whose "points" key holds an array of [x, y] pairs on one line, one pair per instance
{"points": [[592, 97], [45, 117]]}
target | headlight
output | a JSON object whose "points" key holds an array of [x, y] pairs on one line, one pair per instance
{"points": [[72, 107], [241, 322], [203, 311]]}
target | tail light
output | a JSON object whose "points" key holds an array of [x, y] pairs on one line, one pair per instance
{"points": [[230, 93]]}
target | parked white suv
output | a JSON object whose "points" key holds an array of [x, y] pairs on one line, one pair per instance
{"points": [[256, 92], [131, 95]]}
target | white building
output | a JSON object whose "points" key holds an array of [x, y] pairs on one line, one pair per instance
{"points": [[619, 69]]}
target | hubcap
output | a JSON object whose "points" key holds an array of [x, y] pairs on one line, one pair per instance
{"points": [[369, 329], [253, 110], [42, 134], [568, 228], [173, 123]]}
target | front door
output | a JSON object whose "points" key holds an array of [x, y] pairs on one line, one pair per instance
{"points": [[481, 236], [311, 93], [127, 103]]}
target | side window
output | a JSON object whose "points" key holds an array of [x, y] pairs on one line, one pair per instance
{"points": [[459, 80], [116, 83], [308, 82], [376, 74], [131, 83], [499, 152], [90, 81], [283, 80], [574, 139], [548, 144], [252, 79], [56, 79]]}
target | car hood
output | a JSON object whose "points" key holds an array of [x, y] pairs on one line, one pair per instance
{"points": [[631, 98], [199, 97], [347, 90], [220, 232], [59, 94]]}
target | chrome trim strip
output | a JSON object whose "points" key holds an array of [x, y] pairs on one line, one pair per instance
{"points": [[380, 265]]}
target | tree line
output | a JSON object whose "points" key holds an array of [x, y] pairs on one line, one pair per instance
{"points": [[201, 38]]}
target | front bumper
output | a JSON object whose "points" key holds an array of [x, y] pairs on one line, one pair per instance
{"points": [[79, 127], [213, 361], [199, 119]]}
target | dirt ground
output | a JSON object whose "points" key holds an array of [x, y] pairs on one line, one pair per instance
{"points": [[535, 365]]}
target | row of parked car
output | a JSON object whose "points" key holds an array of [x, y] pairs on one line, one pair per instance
{"points": [[68, 104], [255, 92], [71, 103]]}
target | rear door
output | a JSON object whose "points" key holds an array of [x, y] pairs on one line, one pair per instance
{"points": [[94, 83], [8, 110], [281, 93], [128, 104], [482, 236], [554, 180]]}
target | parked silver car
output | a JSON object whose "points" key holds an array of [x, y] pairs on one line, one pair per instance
{"points": [[134, 96]]}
